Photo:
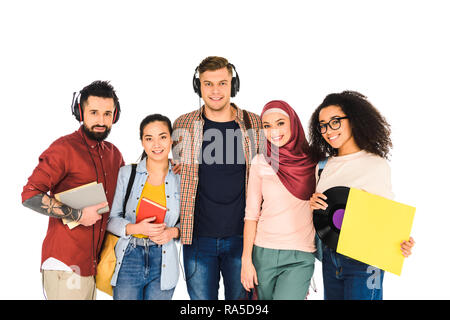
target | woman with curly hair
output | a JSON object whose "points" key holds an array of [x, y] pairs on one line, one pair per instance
{"points": [[348, 131]]}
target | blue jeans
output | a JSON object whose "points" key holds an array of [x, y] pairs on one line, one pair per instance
{"points": [[205, 259], [140, 275], [348, 279]]}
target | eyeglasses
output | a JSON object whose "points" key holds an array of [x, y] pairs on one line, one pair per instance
{"points": [[334, 124]]}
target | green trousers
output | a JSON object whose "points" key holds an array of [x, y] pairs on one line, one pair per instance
{"points": [[282, 274]]}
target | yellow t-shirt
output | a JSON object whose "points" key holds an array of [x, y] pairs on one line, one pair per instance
{"points": [[154, 193]]}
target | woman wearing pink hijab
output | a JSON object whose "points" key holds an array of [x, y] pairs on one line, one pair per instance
{"points": [[278, 255]]}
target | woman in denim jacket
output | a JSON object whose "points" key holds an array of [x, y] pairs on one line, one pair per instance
{"points": [[147, 258]]}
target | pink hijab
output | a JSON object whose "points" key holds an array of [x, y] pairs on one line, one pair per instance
{"points": [[294, 167]]}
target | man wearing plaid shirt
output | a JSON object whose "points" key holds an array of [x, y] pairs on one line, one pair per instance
{"points": [[214, 145]]}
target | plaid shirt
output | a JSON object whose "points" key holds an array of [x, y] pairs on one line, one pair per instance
{"points": [[188, 139]]}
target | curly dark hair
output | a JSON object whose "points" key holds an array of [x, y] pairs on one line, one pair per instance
{"points": [[370, 129]]}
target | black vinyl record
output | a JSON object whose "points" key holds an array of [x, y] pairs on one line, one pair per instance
{"points": [[328, 222]]}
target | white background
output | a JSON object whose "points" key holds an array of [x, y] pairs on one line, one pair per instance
{"points": [[395, 52]]}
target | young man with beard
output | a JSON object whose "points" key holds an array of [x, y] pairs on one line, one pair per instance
{"points": [[215, 145], [69, 256]]}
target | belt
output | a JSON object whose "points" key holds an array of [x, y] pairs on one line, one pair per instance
{"points": [[145, 242]]}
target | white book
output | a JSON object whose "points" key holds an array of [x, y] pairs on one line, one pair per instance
{"points": [[81, 197]]}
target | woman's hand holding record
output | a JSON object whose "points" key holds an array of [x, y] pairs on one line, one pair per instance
{"points": [[317, 201], [329, 209]]}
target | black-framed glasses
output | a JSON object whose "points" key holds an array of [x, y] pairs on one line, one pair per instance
{"points": [[334, 124]]}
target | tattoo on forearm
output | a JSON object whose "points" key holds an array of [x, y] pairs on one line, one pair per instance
{"points": [[51, 207]]}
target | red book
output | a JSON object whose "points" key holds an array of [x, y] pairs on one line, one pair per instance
{"points": [[149, 208]]}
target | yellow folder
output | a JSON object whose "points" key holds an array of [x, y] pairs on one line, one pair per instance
{"points": [[373, 229]]}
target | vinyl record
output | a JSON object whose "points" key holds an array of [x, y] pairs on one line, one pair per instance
{"points": [[328, 222]]}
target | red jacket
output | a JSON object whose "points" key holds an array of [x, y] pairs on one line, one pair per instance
{"points": [[66, 164]]}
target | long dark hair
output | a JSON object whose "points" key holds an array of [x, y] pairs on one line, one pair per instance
{"points": [[370, 129], [149, 119]]}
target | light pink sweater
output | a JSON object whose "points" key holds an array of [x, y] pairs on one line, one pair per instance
{"points": [[284, 221]]}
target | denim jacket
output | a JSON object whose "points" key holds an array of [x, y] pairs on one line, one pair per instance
{"points": [[118, 220]]}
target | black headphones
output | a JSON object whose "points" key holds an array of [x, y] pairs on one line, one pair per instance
{"points": [[235, 83], [78, 113]]}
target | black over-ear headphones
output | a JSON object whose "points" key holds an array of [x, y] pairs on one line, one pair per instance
{"points": [[78, 113], [235, 83]]}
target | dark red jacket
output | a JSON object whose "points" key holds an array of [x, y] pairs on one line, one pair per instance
{"points": [[66, 164]]}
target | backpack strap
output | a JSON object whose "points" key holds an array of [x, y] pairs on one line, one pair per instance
{"points": [[318, 242], [322, 164], [130, 185]]}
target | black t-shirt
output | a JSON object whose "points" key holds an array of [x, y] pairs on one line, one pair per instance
{"points": [[220, 202]]}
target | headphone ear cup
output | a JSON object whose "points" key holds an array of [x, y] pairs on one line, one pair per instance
{"points": [[76, 110], [116, 113], [115, 118], [196, 84], [233, 87], [235, 83], [197, 87], [79, 113]]}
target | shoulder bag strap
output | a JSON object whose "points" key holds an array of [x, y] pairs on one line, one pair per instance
{"points": [[130, 185], [322, 164]]}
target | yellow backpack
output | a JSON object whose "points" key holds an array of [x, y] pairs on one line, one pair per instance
{"points": [[107, 264]]}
